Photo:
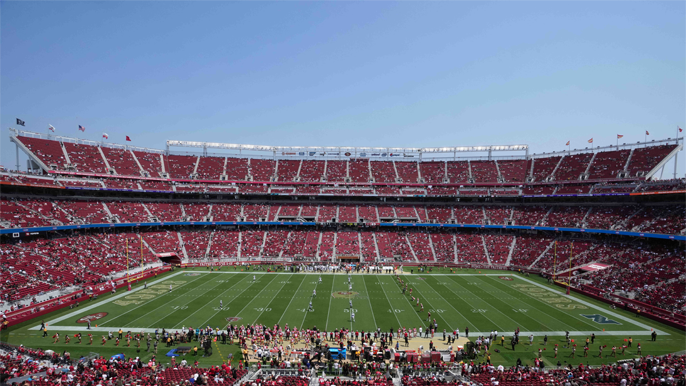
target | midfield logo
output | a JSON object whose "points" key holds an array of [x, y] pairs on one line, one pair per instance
{"points": [[600, 319]]}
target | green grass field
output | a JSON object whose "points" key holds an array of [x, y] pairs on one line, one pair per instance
{"points": [[484, 301]]}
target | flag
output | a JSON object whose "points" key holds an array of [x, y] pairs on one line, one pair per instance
{"points": [[82, 128], [567, 144], [619, 136], [590, 140], [680, 129], [647, 133], [104, 135], [20, 122], [128, 139], [51, 128]]}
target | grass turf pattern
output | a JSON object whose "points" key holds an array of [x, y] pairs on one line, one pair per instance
{"points": [[480, 300]]}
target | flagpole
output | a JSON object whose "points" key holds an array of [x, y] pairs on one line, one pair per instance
{"points": [[569, 275], [127, 259], [555, 261]]}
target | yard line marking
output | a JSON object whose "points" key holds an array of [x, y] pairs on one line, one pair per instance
{"points": [[538, 309], [624, 318], [421, 321], [471, 305], [370, 302], [476, 333], [430, 305], [151, 300], [450, 304], [221, 294], [232, 300], [273, 297], [108, 300], [185, 304], [326, 327], [392, 308], [289, 303], [258, 294], [526, 303]]}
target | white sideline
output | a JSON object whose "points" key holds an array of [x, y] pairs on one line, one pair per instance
{"points": [[522, 334], [646, 332], [604, 310], [100, 303]]}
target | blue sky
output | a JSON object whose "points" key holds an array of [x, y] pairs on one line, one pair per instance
{"points": [[345, 73]]}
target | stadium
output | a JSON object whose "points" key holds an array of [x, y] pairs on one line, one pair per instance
{"points": [[394, 265], [342, 193]]}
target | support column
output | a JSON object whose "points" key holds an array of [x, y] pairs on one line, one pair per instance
{"points": [[18, 166]]}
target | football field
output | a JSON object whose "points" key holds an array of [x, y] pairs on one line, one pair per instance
{"points": [[501, 301]]}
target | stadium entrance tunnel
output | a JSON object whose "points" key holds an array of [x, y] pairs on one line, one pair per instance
{"points": [[169, 258]]}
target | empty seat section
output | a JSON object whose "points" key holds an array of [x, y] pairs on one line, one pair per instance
{"points": [[565, 216], [513, 171], [326, 245], [327, 213], [393, 245], [196, 243], [262, 169], [165, 211], [440, 214], [608, 164], [407, 171], [336, 171], [180, 166], [91, 212], [251, 242], [48, 151], [196, 211], [368, 246], [421, 246], [287, 170], [498, 215], [470, 249], [312, 170], [468, 214], [236, 169], [458, 171], [150, 162], [528, 249], [224, 243], [529, 215], [359, 170], [433, 171], [347, 213], [498, 247], [347, 244], [211, 168], [645, 159], [484, 171], [444, 246], [368, 213], [274, 243], [543, 167], [122, 161], [85, 158], [128, 212], [255, 212], [572, 167]]}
